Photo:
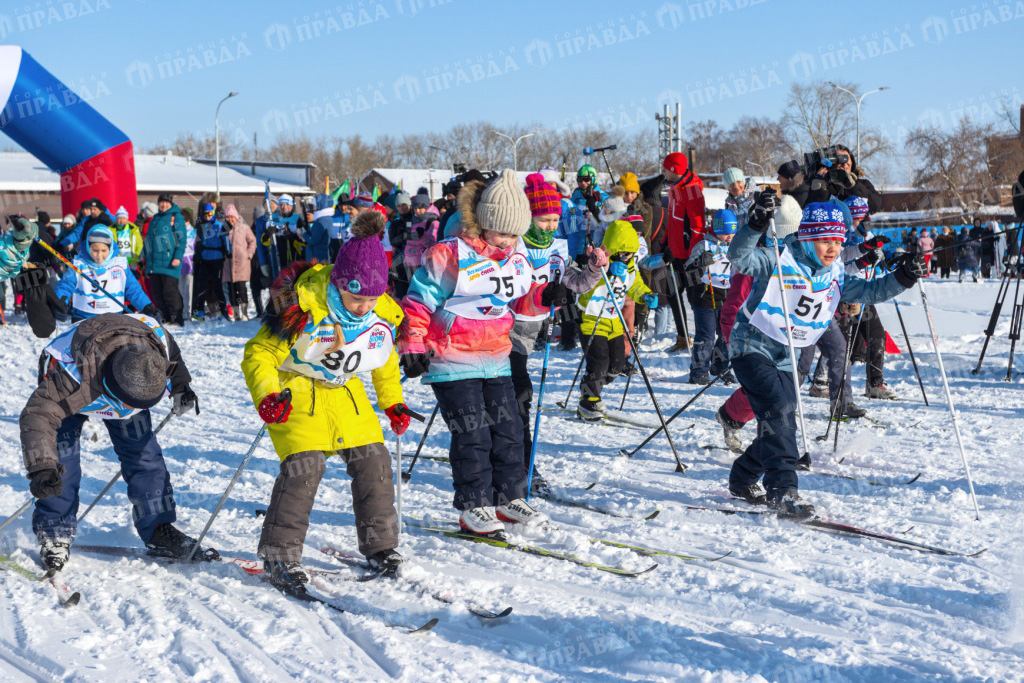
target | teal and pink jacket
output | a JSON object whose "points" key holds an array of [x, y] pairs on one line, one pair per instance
{"points": [[462, 348]]}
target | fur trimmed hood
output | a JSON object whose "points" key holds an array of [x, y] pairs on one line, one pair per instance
{"points": [[469, 196], [285, 317]]}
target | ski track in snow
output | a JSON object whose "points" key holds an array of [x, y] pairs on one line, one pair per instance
{"points": [[787, 604]]}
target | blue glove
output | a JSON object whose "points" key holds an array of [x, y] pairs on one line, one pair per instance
{"points": [[651, 300], [655, 261], [617, 269]]}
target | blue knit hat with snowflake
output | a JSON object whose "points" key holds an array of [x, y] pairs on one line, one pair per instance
{"points": [[821, 221], [858, 206]]}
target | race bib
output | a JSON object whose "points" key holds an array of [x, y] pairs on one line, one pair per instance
{"points": [[365, 349], [601, 305], [811, 302], [485, 288]]}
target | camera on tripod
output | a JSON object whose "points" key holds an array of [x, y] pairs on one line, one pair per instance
{"points": [[835, 180]]}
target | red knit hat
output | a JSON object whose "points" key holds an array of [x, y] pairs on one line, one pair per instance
{"points": [[676, 162], [544, 199]]}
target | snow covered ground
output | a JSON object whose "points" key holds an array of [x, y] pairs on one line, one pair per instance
{"points": [[789, 604]]}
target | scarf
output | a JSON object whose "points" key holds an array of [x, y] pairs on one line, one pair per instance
{"points": [[537, 238]]}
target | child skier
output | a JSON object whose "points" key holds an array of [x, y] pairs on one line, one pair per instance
{"points": [[113, 367], [129, 240], [457, 326], [736, 411], [710, 262], [601, 328], [554, 274], [815, 285], [323, 325], [101, 260]]}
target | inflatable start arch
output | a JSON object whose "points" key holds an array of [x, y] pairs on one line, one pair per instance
{"points": [[43, 115]]}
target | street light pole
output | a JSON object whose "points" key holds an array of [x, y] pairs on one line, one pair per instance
{"points": [[859, 100], [216, 137], [515, 146]]}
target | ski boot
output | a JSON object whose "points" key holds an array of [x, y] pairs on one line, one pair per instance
{"points": [[791, 506], [881, 391], [482, 521], [229, 313], [287, 577], [627, 369], [699, 378], [167, 541], [54, 554], [730, 430], [518, 511], [804, 463], [753, 494], [386, 562], [819, 390], [539, 487], [590, 410], [849, 411]]}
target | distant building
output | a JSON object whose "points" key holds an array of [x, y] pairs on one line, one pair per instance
{"points": [[26, 185]]}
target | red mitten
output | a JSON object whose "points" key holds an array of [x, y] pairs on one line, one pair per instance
{"points": [[275, 408], [399, 418]]}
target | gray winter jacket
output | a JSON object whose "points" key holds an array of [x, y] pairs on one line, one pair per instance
{"points": [[577, 280], [748, 259], [58, 396]]}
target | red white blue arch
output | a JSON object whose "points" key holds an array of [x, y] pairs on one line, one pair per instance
{"points": [[44, 116]]}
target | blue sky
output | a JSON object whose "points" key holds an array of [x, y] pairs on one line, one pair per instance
{"points": [[403, 66]]}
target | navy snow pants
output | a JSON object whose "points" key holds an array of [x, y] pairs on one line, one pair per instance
{"points": [[142, 465], [487, 440]]}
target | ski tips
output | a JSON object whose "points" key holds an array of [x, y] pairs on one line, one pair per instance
{"points": [[652, 515], [72, 600], [422, 629]]}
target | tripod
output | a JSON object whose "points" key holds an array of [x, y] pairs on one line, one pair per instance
{"points": [[1016, 316]]}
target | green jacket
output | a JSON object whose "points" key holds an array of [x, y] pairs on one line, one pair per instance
{"points": [[165, 242]]}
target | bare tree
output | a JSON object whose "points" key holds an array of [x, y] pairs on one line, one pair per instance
{"points": [[955, 163]]}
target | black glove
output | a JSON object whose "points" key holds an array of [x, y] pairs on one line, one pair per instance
{"points": [[876, 242], [46, 483], [415, 364], [870, 258], [554, 294], [666, 253], [706, 259], [761, 212], [184, 401], [910, 267], [593, 207], [153, 312]]}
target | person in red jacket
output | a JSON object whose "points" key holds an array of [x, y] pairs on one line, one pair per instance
{"points": [[685, 225]]}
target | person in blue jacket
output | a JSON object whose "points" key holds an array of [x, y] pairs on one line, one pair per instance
{"points": [[102, 261], [163, 248], [213, 245], [93, 212], [318, 237], [815, 283]]}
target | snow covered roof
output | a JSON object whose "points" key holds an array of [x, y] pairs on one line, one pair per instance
{"points": [[411, 179], [21, 172]]}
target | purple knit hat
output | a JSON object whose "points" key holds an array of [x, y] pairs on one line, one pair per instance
{"points": [[362, 266]]}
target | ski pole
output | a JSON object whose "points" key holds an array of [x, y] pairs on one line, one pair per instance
{"points": [[18, 513], [834, 414], [789, 338], [629, 377], [540, 402], [286, 397], [910, 349], [406, 476], [949, 400], [167, 418], [680, 467], [676, 297], [630, 454], [96, 285], [565, 404]]}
